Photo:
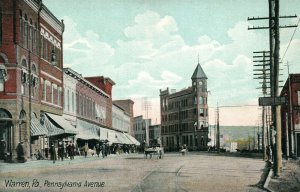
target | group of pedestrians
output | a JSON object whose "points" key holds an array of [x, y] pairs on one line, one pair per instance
{"points": [[62, 151]]}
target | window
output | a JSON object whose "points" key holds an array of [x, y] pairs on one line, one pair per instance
{"points": [[30, 41], [1, 85], [73, 109], [26, 32], [51, 93], [42, 47], [68, 100], [201, 100], [1, 25], [21, 23]]}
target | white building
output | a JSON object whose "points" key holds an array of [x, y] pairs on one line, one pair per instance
{"points": [[120, 119]]}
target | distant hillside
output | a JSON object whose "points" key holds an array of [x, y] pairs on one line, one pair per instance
{"points": [[237, 132]]}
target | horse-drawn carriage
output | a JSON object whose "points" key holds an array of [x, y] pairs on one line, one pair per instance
{"points": [[158, 151]]}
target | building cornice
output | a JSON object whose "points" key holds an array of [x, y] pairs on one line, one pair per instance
{"points": [[79, 77]]}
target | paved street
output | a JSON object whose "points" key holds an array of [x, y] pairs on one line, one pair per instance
{"points": [[193, 172]]}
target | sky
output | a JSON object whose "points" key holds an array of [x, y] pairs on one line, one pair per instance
{"points": [[147, 46]]}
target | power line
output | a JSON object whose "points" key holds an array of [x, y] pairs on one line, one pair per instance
{"points": [[228, 106], [290, 40]]}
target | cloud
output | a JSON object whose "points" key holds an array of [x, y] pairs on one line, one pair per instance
{"points": [[153, 55], [84, 49]]}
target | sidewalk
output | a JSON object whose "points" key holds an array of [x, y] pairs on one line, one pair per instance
{"points": [[289, 180], [13, 167]]}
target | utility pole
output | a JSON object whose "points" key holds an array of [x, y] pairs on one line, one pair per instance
{"points": [[218, 129], [274, 73], [263, 60]]}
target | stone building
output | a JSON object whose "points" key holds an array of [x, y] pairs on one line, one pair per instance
{"points": [[290, 115], [184, 115], [31, 62]]}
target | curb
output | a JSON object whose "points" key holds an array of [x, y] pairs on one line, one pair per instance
{"points": [[266, 185]]}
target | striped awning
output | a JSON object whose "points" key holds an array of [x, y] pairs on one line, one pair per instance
{"points": [[62, 123], [52, 129], [36, 128]]}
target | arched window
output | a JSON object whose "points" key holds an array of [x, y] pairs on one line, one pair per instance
{"points": [[33, 68], [24, 63]]}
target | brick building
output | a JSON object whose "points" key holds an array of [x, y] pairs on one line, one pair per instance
{"points": [[184, 115], [31, 62], [290, 115]]}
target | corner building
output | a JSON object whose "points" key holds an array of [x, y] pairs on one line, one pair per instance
{"points": [[184, 115], [31, 39]]}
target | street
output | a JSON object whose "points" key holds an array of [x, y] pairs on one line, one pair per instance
{"points": [[193, 172]]}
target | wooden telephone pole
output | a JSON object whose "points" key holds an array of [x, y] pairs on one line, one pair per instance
{"points": [[274, 42]]}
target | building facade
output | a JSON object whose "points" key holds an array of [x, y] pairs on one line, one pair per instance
{"points": [[121, 120], [31, 61], [127, 105], [290, 115], [141, 129], [184, 115], [154, 134]]}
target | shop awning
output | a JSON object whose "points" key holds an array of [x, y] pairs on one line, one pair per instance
{"points": [[87, 131], [52, 129], [123, 138], [36, 128], [61, 122], [112, 137], [134, 141]]}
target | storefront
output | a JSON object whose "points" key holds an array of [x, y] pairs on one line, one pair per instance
{"points": [[5, 134]]}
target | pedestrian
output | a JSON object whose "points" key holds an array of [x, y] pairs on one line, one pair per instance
{"points": [[71, 150], [85, 149], [52, 152], [97, 149], [103, 150], [21, 152], [2, 149], [60, 150]]}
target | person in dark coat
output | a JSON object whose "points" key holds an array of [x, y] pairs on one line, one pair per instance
{"points": [[60, 150], [52, 152], [103, 149], [71, 150], [98, 149], [21, 152], [2, 149]]}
